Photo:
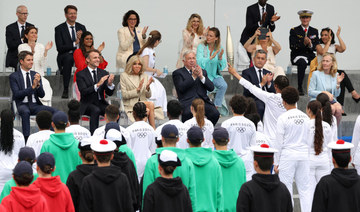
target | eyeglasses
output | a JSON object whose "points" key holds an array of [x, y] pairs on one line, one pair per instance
{"points": [[24, 13], [132, 19]]}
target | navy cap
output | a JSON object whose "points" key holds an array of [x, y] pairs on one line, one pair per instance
{"points": [[221, 134], [111, 125], [169, 131], [21, 168], [44, 159], [60, 118], [195, 134], [27, 153]]}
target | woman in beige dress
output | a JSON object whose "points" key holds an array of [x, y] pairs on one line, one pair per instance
{"points": [[135, 87]]}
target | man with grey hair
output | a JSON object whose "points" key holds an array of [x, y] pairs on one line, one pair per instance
{"points": [[14, 36], [260, 77], [191, 82]]}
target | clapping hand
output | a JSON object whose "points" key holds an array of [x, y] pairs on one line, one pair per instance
{"points": [[101, 47], [158, 72], [144, 31], [151, 80], [206, 30], [267, 78], [102, 80], [111, 79], [340, 78], [221, 54], [275, 18], [138, 89], [338, 31], [48, 46], [307, 41], [36, 81], [214, 54]]}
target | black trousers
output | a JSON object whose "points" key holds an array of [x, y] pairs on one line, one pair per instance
{"points": [[94, 110], [301, 67], [346, 83], [65, 63]]}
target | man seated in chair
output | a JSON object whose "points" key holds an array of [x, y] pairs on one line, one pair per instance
{"points": [[26, 87], [93, 83]]}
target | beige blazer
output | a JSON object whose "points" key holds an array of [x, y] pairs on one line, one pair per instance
{"points": [[126, 45], [129, 84]]}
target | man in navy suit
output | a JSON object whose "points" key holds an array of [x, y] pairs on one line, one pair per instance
{"points": [[303, 41], [93, 84], [26, 90], [191, 82], [67, 38], [258, 15], [260, 77], [14, 33]]}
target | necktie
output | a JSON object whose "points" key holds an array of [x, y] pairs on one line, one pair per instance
{"points": [[305, 30], [73, 36], [22, 31], [94, 76], [28, 85], [263, 10], [260, 78]]}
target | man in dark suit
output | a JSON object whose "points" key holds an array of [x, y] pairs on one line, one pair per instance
{"points": [[26, 87], [303, 41], [67, 38], [258, 15], [14, 33], [260, 77], [191, 82], [93, 84]]}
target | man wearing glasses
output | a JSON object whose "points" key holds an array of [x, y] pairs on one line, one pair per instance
{"points": [[14, 36]]}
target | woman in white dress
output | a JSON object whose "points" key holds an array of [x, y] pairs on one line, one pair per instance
{"points": [[40, 53], [198, 110], [193, 35], [271, 46], [147, 53], [11, 141]]}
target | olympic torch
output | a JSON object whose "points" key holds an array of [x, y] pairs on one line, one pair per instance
{"points": [[229, 49]]}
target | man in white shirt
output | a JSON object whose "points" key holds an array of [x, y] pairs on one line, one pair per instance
{"points": [[173, 112], [36, 140], [242, 132], [26, 88], [291, 141]]}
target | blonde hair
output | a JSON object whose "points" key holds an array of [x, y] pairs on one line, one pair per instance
{"points": [[334, 66], [257, 41], [200, 29], [130, 63], [199, 108]]}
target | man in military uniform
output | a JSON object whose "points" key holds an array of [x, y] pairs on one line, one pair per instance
{"points": [[303, 41]]}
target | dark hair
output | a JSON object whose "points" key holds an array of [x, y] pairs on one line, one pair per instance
{"points": [[87, 54], [251, 108], [315, 108], [81, 43], [26, 31], [88, 155], [43, 120], [330, 32], [24, 180], [112, 112], [74, 111], [139, 110], [7, 131], [168, 169], [46, 169], [281, 82], [103, 158], [265, 160], [254, 117], [66, 9], [342, 157], [290, 95], [326, 108], [238, 103], [199, 107], [216, 31], [127, 15], [171, 140], [153, 37], [174, 108], [22, 55]]}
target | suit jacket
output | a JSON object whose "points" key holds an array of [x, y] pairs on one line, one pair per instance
{"points": [[19, 92], [63, 41], [297, 46], [189, 89], [13, 40], [85, 83], [252, 19], [129, 84], [251, 75]]}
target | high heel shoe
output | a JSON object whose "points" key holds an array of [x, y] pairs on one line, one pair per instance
{"points": [[356, 100]]}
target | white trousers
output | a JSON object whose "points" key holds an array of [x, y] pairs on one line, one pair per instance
{"points": [[300, 170], [319, 167]]}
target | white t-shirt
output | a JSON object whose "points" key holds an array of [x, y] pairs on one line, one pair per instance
{"points": [[79, 132], [207, 129], [151, 53], [261, 138], [334, 129], [273, 107], [37, 139], [356, 140], [182, 128], [100, 132], [291, 136], [142, 143], [8, 161], [327, 136], [242, 134]]}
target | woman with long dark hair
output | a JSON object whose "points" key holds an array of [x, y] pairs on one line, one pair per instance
{"points": [[75, 128], [11, 142], [327, 115]]}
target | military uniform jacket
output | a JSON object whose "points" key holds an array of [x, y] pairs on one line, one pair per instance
{"points": [[297, 35]]}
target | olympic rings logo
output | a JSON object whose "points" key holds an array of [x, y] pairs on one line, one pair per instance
{"points": [[280, 105], [298, 121], [141, 134], [241, 129]]}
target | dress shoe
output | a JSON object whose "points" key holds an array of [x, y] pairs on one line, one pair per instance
{"points": [[356, 100], [301, 92], [65, 94]]}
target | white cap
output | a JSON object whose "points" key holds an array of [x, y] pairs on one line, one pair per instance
{"points": [[103, 146], [114, 135], [169, 158], [305, 12], [263, 148], [340, 144], [86, 142]]}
